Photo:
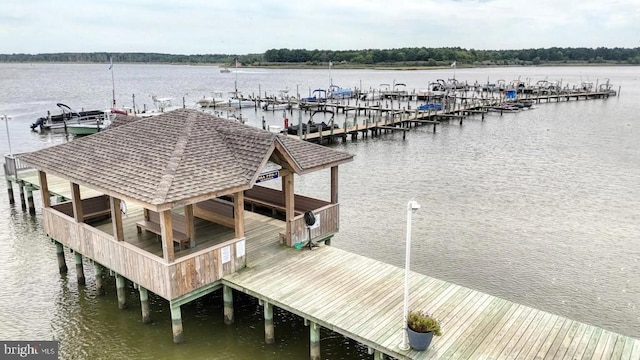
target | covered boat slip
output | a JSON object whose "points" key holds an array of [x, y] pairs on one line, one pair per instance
{"points": [[362, 299]]}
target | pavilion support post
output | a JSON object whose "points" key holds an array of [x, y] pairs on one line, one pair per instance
{"points": [[76, 201], [44, 189], [99, 283], [314, 341], [144, 304], [378, 355], [62, 265], [79, 269], [176, 324], [23, 201], [238, 213], [269, 336], [288, 189], [190, 227], [116, 218], [121, 291], [227, 299], [166, 228], [334, 184], [32, 206]]}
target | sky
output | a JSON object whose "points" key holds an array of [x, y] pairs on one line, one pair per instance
{"points": [[254, 26]]}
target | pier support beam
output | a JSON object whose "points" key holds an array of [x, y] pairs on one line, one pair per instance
{"points": [[32, 206], [99, 283], [62, 265], [269, 336], [144, 305], [176, 324], [121, 291], [12, 201], [227, 299], [79, 269], [377, 355], [314, 341]]}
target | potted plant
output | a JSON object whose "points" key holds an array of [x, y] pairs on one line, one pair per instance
{"points": [[421, 327]]}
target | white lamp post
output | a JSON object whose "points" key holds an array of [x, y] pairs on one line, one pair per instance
{"points": [[6, 123], [412, 207]]}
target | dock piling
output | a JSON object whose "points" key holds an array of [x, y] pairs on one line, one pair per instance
{"points": [[79, 269], [62, 265], [314, 341], [176, 324], [12, 201], [99, 284], [121, 291], [269, 336], [23, 202], [227, 299], [144, 305], [32, 206]]}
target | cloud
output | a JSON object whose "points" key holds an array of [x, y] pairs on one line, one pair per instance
{"points": [[225, 26]]}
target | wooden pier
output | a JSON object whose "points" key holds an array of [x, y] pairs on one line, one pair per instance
{"points": [[404, 117]]}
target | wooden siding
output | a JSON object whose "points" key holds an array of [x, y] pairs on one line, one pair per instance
{"points": [[329, 217], [169, 280]]}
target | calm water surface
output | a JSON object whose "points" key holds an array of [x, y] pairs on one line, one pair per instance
{"points": [[538, 207]]}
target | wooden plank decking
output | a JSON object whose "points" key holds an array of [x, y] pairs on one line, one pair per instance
{"points": [[362, 299]]}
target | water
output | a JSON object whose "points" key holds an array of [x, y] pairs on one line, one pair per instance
{"points": [[538, 207]]}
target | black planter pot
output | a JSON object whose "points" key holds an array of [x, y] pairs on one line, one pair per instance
{"points": [[419, 341]]}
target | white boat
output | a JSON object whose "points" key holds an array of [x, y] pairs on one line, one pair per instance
{"points": [[67, 117], [216, 98], [88, 129], [162, 105], [236, 101]]}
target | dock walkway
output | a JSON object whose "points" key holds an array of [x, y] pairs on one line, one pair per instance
{"points": [[362, 299]]}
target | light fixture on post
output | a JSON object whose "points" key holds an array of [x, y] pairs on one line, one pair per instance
{"points": [[412, 207], [6, 123]]}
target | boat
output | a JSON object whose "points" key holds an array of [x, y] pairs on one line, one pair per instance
{"points": [[430, 107], [311, 126], [68, 116], [214, 100], [236, 101], [318, 96], [162, 105], [224, 70], [336, 92], [84, 129]]}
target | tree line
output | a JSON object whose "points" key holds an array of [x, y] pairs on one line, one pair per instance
{"points": [[421, 56]]}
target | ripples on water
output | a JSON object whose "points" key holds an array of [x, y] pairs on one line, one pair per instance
{"points": [[539, 207]]}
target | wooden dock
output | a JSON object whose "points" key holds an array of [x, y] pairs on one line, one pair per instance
{"points": [[404, 117], [362, 299]]}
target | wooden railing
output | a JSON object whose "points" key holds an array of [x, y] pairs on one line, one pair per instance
{"points": [[12, 165], [328, 218], [169, 280]]}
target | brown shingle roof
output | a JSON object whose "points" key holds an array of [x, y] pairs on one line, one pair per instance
{"points": [[174, 157]]}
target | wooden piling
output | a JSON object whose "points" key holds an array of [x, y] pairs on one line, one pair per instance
{"points": [[269, 336], [99, 283], [377, 355], [62, 265], [23, 202], [314, 341], [31, 204], [12, 201], [121, 291], [176, 324], [79, 269], [144, 305], [227, 299]]}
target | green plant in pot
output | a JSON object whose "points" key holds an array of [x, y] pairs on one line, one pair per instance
{"points": [[421, 329]]}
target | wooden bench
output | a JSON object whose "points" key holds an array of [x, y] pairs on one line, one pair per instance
{"points": [[217, 211], [178, 223], [93, 208], [263, 197]]}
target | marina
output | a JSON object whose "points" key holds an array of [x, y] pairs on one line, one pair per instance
{"points": [[542, 316]]}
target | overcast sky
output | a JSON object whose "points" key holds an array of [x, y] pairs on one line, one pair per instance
{"points": [[254, 26]]}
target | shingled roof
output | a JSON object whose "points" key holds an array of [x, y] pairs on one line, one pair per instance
{"points": [[177, 158]]}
